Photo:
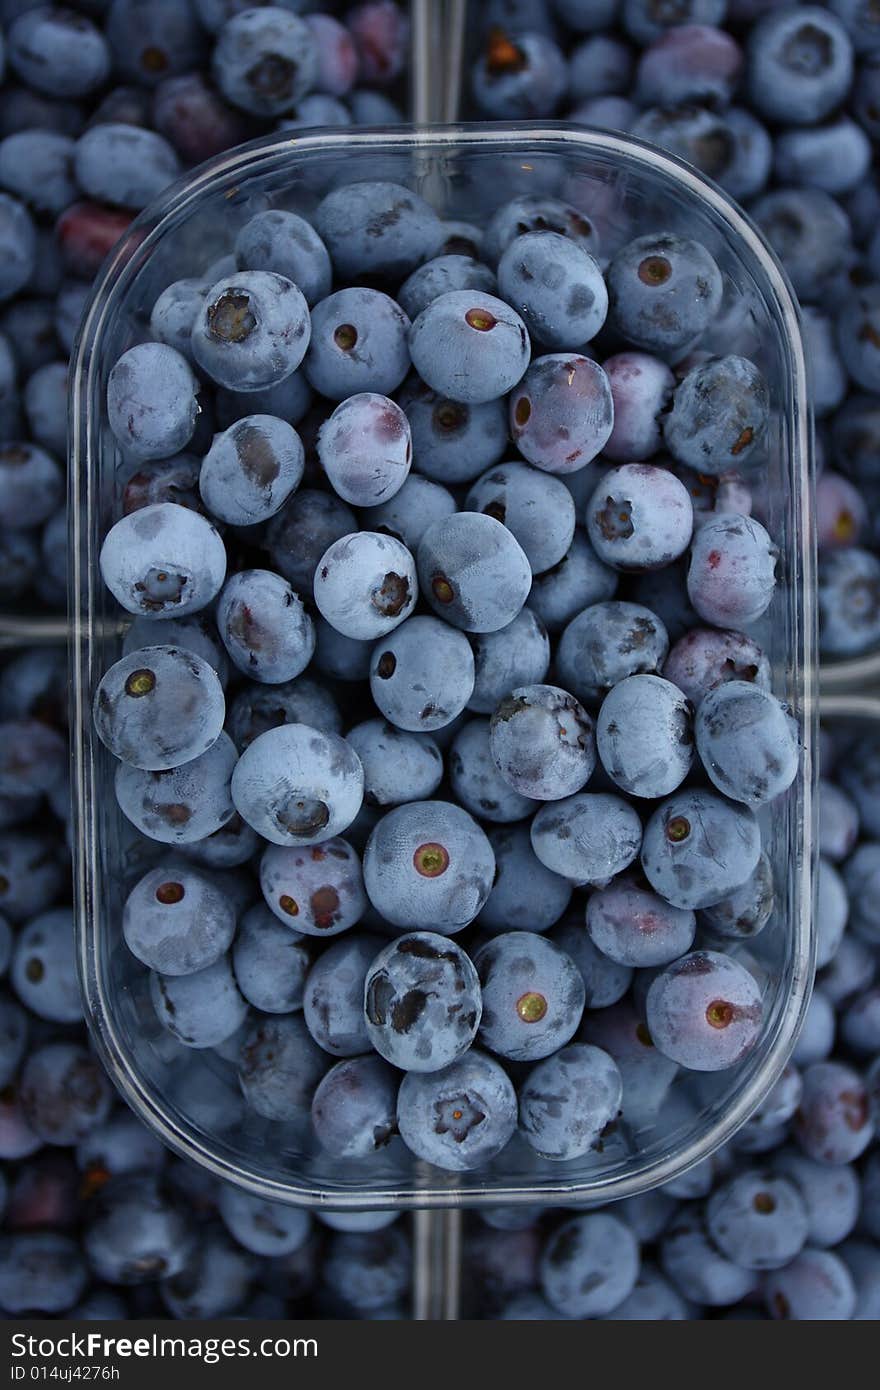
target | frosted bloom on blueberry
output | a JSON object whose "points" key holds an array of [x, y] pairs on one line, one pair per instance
{"points": [[159, 707], [317, 890], [152, 401], [297, 786], [251, 469], [252, 330], [365, 448], [422, 1002], [365, 585], [264, 626], [163, 561], [427, 864], [184, 804], [704, 1011], [458, 1118]]}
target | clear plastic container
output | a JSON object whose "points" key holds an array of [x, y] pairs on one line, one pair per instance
{"points": [[191, 1099]]}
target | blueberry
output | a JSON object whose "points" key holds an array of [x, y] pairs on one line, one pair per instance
{"points": [[358, 344], [14, 1024], [64, 1092], [664, 292], [31, 484], [515, 79], [183, 804], [751, 156], [835, 157], [337, 56], [653, 1299], [640, 517], [589, 1265], [533, 996], [123, 164], [810, 233], [298, 786], [537, 213], [587, 838], [525, 895], [635, 927], [515, 655], [830, 1193], [833, 1124], [377, 228], [279, 1068], [151, 401], [696, 1269], [459, 1118], [704, 1011], [641, 388], [32, 758], [422, 674], [605, 981], [31, 873], [413, 508], [365, 585], [815, 1286], [698, 848], [428, 865], [536, 508], [58, 52], [252, 330], [746, 911], [159, 707], [567, 1100], [599, 66], [202, 1009], [43, 969], [271, 962], [163, 560], [354, 1109], [333, 1003], [695, 63], [265, 629], [45, 405], [644, 736], [732, 573], [41, 1273], [367, 1269], [438, 276], [705, 657], [318, 890], [398, 766], [719, 416], [747, 741], [469, 346], [177, 921], [454, 441], [860, 778], [799, 64], [860, 1025], [848, 592], [147, 482], [422, 1002], [151, 39], [542, 742], [36, 165], [758, 1220], [557, 288], [562, 412], [473, 571], [192, 115], [214, 1281], [365, 449], [860, 1258], [283, 242], [607, 642], [841, 513], [265, 61], [691, 132], [288, 399], [579, 580], [262, 1227], [251, 469], [298, 535], [476, 780]]}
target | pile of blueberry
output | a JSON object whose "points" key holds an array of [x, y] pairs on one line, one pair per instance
{"points": [[784, 1221], [101, 106], [780, 104], [388, 671]]}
